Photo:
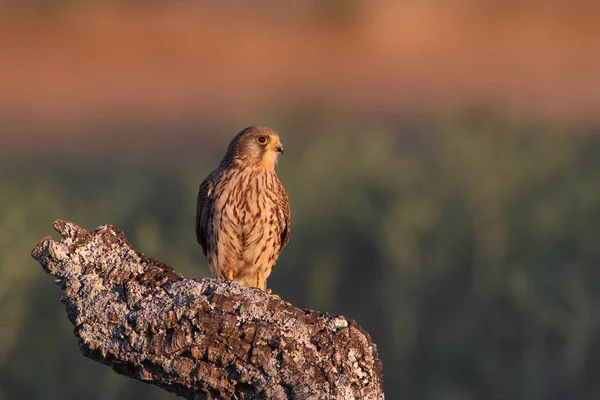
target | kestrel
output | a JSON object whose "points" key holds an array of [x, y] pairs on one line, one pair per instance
{"points": [[243, 213]]}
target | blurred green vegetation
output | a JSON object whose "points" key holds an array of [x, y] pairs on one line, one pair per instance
{"points": [[466, 245]]}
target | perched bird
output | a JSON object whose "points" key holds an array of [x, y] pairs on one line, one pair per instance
{"points": [[243, 213]]}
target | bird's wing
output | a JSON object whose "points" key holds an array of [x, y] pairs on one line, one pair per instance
{"points": [[286, 221], [202, 210]]}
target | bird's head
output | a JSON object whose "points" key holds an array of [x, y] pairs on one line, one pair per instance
{"points": [[257, 145]]}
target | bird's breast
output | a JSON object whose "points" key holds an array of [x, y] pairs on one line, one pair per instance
{"points": [[244, 204]]}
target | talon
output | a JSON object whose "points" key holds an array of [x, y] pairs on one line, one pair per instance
{"points": [[230, 274], [270, 293]]}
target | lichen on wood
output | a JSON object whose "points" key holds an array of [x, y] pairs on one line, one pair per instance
{"points": [[201, 338]]}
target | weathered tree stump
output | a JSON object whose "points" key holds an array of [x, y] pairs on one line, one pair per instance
{"points": [[201, 338]]}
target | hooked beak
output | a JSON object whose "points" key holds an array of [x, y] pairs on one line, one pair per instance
{"points": [[279, 148]]}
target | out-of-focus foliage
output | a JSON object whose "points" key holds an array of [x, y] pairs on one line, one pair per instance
{"points": [[467, 247]]}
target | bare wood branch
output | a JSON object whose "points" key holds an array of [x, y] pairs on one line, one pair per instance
{"points": [[201, 338]]}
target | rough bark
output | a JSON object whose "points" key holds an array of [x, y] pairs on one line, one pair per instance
{"points": [[201, 338]]}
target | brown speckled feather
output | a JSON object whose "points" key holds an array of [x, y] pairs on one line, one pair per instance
{"points": [[285, 221]]}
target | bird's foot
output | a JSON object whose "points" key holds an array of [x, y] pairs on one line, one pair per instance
{"points": [[261, 285], [230, 274], [259, 282]]}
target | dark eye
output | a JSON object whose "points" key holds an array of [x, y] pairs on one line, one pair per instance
{"points": [[262, 139]]}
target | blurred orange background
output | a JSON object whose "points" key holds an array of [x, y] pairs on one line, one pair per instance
{"points": [[214, 59]]}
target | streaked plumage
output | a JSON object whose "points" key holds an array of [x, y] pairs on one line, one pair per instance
{"points": [[243, 213]]}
